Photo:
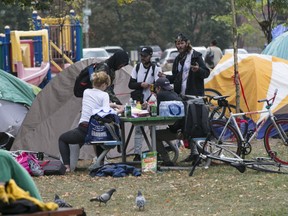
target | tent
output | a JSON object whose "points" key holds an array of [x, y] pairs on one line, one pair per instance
{"points": [[259, 74], [16, 96], [278, 47], [57, 110]]}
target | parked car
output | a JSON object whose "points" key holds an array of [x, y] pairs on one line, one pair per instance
{"points": [[169, 55], [167, 59], [157, 52], [202, 50], [240, 51], [98, 53], [112, 49]]}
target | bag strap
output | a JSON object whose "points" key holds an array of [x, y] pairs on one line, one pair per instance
{"points": [[112, 131], [137, 69]]}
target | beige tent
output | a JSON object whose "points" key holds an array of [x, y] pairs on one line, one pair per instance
{"points": [[56, 110]]}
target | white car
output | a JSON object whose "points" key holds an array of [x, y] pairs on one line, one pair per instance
{"points": [[98, 53], [167, 59], [240, 51], [112, 49], [201, 49], [169, 55]]}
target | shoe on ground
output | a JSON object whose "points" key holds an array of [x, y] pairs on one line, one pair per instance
{"points": [[137, 157], [191, 158]]}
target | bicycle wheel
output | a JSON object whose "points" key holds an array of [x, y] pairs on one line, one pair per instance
{"points": [[269, 166], [230, 138], [276, 147], [215, 111], [173, 150]]}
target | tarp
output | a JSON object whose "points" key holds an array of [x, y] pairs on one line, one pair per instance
{"points": [[16, 96], [259, 74], [278, 47], [16, 90], [56, 110]]}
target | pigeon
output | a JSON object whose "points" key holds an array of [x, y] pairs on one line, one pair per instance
{"points": [[103, 198], [61, 202], [140, 201]]}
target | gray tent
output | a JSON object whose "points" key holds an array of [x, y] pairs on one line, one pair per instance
{"points": [[56, 110]]}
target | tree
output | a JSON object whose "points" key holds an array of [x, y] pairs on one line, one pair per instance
{"points": [[267, 18], [128, 26], [37, 4]]}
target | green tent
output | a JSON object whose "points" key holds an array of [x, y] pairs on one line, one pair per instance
{"points": [[278, 47], [15, 90]]}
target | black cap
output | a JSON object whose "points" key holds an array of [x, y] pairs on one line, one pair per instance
{"points": [[181, 37], [164, 83], [145, 51]]}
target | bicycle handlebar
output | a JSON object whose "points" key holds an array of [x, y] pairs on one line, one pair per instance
{"points": [[269, 101]]}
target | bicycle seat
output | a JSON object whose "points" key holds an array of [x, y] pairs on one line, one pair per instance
{"points": [[221, 97], [239, 166]]}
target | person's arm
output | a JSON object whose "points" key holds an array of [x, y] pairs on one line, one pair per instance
{"points": [[200, 68], [112, 96], [133, 84], [119, 108]]}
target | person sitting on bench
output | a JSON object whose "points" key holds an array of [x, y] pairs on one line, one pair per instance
{"points": [[94, 100]]}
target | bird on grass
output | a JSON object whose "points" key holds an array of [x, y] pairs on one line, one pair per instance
{"points": [[61, 202], [105, 197], [140, 201]]}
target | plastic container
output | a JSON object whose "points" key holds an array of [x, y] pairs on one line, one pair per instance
{"points": [[171, 109]]}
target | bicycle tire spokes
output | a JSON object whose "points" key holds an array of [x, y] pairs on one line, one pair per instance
{"points": [[229, 137], [275, 141]]}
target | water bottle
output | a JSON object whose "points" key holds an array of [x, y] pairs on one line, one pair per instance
{"points": [[163, 109], [131, 102]]}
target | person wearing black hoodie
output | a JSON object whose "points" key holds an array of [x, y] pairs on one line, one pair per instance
{"points": [[118, 60], [115, 62]]}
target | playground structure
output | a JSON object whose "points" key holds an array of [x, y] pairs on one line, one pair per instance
{"points": [[34, 56]]}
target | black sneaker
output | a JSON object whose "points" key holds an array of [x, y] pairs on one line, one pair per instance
{"points": [[191, 158], [137, 157]]}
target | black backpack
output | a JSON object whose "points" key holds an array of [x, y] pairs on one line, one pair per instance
{"points": [[196, 118], [82, 81]]}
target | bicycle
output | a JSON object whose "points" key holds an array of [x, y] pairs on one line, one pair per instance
{"points": [[220, 153], [225, 110], [228, 133]]}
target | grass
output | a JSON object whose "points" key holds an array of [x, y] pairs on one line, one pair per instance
{"points": [[219, 190]]}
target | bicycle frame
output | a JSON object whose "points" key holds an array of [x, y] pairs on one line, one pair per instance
{"points": [[259, 125]]}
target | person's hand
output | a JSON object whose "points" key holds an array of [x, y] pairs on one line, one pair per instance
{"points": [[120, 109], [195, 67], [145, 85]]}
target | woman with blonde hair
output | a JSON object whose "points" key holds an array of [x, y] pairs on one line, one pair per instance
{"points": [[94, 100]]}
